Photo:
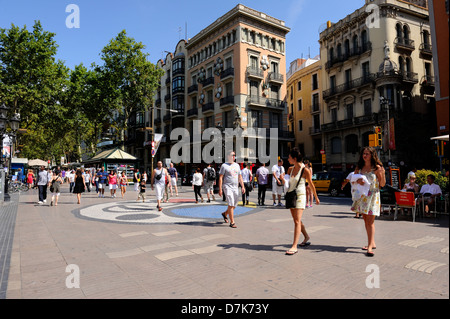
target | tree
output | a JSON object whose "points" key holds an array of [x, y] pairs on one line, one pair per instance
{"points": [[127, 76], [31, 83]]}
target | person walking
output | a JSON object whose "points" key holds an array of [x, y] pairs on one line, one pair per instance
{"points": [[30, 178], [197, 182], [87, 179], [80, 185], [123, 183], [369, 206], [136, 179], [158, 181], [262, 178], [112, 182], [209, 180], [309, 194], [55, 188], [142, 188], [247, 177], [43, 181], [173, 179], [102, 177], [229, 180], [278, 172], [71, 177], [297, 182]]}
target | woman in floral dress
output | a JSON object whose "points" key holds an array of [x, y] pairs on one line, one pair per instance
{"points": [[370, 206]]}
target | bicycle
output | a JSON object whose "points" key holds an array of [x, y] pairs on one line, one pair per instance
{"points": [[15, 186]]}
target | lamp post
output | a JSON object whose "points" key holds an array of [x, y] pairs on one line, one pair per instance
{"points": [[9, 125], [385, 104]]}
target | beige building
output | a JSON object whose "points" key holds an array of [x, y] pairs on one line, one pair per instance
{"points": [[380, 50], [236, 75], [304, 100]]}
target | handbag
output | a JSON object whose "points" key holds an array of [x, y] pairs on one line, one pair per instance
{"points": [[291, 197]]}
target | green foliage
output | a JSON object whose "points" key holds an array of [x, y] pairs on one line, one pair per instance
{"points": [[421, 178]]}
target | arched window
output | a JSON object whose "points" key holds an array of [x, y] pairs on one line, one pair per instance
{"points": [[364, 40], [336, 145], [398, 29], [331, 57], [405, 32], [347, 48], [401, 65]]}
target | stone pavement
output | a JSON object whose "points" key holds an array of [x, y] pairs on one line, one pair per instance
{"points": [[119, 248]]}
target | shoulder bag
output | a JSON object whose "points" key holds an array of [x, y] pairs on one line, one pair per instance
{"points": [[291, 197]]}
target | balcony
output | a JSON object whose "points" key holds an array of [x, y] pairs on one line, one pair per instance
{"points": [[179, 71], [255, 73], [276, 78], [409, 77], [354, 52], [282, 134], [227, 101], [178, 90], [193, 89], [348, 123], [167, 98], [427, 81], [227, 74], [208, 107], [192, 113], [315, 130], [404, 44], [208, 82], [168, 80], [426, 50], [349, 86], [263, 102]]}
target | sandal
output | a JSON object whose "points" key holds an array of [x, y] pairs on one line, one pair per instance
{"points": [[291, 252], [305, 244], [370, 254], [225, 218], [366, 248], [233, 225]]}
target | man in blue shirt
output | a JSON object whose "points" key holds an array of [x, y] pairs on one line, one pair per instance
{"points": [[102, 176]]}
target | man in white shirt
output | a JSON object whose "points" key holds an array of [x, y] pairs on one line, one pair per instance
{"points": [[247, 178], [230, 178], [262, 175], [430, 191], [278, 172]]}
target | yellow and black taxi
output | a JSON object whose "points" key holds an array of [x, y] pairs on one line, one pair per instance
{"points": [[331, 182]]}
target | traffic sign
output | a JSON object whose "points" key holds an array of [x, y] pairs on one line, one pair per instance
{"points": [[153, 153], [322, 152]]}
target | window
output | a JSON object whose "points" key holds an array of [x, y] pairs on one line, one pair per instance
{"points": [[254, 62], [299, 86], [178, 84], [228, 119], [365, 70], [300, 105], [229, 89], [316, 122], [254, 88], [367, 107], [300, 126], [275, 120], [209, 96], [228, 63], [178, 104], [315, 82], [194, 102], [349, 111], [334, 115], [315, 103], [274, 67], [256, 119], [336, 145], [209, 122]]}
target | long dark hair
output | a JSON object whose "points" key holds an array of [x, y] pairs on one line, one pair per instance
{"points": [[374, 161]]}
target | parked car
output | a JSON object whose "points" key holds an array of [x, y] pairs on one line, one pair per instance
{"points": [[331, 182]]}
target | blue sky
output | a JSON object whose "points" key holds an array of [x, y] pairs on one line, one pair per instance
{"points": [[159, 25]]}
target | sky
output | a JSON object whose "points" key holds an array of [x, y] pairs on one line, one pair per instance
{"points": [[159, 25]]}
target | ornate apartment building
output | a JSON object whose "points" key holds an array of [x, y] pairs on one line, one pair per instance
{"points": [[381, 50]]}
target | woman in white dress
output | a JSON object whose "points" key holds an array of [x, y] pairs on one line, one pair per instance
{"points": [[297, 181], [159, 181]]}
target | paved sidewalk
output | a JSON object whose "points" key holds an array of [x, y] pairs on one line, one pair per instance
{"points": [[127, 249]]}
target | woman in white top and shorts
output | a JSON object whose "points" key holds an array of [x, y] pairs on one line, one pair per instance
{"points": [[297, 181], [159, 180]]}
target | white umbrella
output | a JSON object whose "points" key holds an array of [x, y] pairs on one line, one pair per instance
{"points": [[440, 138], [37, 162]]}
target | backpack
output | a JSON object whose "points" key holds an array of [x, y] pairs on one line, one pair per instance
{"points": [[211, 174]]}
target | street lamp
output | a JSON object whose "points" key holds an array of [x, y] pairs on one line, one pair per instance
{"points": [[13, 124]]}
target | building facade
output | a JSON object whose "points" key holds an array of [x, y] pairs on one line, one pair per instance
{"points": [[304, 98], [439, 21], [236, 76], [378, 71]]}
